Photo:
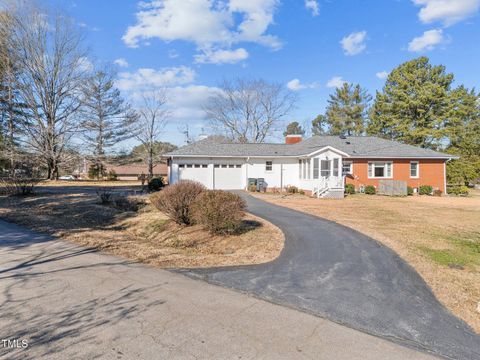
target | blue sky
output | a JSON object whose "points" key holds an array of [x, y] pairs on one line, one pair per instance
{"points": [[310, 46]]}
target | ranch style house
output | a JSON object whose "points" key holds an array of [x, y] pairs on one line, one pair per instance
{"points": [[320, 165]]}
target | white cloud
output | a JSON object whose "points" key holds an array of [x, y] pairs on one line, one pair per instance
{"points": [[382, 75], [121, 62], [173, 54], [146, 78], [447, 11], [221, 56], [427, 41], [210, 24], [313, 6], [296, 85], [336, 82], [354, 43]]}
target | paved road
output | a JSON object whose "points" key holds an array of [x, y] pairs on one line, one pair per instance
{"points": [[340, 274], [70, 302]]}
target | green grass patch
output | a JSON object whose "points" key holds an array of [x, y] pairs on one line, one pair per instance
{"points": [[465, 250]]}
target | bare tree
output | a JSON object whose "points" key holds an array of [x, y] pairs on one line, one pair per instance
{"points": [[53, 66], [106, 118], [153, 117], [249, 110]]}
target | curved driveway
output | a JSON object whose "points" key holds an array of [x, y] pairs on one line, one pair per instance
{"points": [[338, 273]]}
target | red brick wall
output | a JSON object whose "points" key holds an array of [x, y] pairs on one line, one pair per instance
{"points": [[431, 172]]}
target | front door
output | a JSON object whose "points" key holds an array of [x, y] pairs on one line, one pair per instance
{"points": [[325, 168]]}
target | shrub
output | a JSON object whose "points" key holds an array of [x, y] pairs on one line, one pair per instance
{"points": [[112, 175], [425, 190], [18, 186], [176, 200], [409, 190], [370, 190], [458, 190], [301, 192], [155, 184], [129, 203], [104, 195], [437, 192], [292, 189], [350, 189], [218, 211]]}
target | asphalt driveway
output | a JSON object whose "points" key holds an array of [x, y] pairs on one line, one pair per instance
{"points": [[340, 274], [69, 302]]}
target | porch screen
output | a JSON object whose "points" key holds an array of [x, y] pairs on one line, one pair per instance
{"points": [[325, 168], [316, 168], [335, 167]]}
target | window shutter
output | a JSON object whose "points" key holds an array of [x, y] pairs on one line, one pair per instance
{"points": [[389, 170], [370, 170]]}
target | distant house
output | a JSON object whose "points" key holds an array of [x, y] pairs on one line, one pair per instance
{"points": [[133, 172], [320, 165]]}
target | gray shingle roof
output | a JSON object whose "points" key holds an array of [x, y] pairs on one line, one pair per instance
{"points": [[354, 146]]}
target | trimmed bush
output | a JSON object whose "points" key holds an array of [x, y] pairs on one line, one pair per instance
{"points": [[425, 190], [218, 211], [155, 184], [176, 200], [370, 190], [350, 189], [409, 190], [437, 192], [292, 189]]}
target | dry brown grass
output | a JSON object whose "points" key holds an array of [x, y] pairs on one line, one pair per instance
{"points": [[432, 234], [55, 183], [147, 236]]}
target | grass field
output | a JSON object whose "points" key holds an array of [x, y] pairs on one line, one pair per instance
{"points": [[439, 236]]}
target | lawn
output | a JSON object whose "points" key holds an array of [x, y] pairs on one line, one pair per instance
{"points": [[146, 235], [439, 237], [56, 183]]}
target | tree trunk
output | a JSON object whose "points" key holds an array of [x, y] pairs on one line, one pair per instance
{"points": [[150, 162]]}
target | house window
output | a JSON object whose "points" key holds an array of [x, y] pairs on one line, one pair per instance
{"points": [[325, 168], [268, 165], [197, 165], [299, 169], [231, 166], [189, 165], [304, 169], [316, 168], [308, 169], [216, 166], [238, 166], [204, 165], [347, 168], [224, 166], [335, 167], [181, 166], [414, 167], [379, 170]]}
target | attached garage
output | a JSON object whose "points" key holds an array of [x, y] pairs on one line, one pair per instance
{"points": [[217, 175], [196, 172], [228, 177]]}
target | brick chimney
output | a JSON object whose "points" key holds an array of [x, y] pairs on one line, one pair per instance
{"points": [[293, 139]]}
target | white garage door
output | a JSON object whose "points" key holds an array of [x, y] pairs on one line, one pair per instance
{"points": [[197, 172], [228, 177]]}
